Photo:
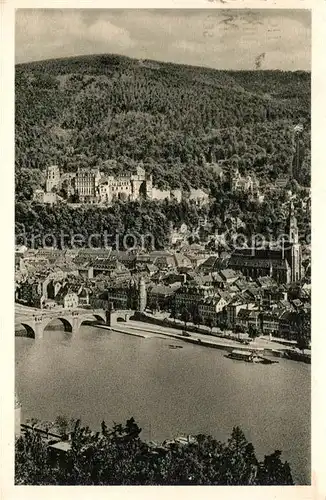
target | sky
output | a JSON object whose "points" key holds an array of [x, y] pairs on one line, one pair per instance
{"points": [[219, 38]]}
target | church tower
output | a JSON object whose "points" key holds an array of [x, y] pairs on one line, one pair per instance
{"points": [[142, 295], [294, 246]]}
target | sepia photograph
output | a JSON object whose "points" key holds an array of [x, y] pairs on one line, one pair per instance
{"points": [[162, 247]]}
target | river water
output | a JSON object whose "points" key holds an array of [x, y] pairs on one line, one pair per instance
{"points": [[100, 375]]}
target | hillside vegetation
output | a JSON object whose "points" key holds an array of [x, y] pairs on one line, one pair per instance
{"points": [[173, 118], [115, 112]]}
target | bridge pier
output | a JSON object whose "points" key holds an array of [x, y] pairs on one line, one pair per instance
{"points": [[38, 327], [114, 316], [75, 323], [108, 317]]}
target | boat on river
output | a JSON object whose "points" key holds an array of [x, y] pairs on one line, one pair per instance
{"points": [[249, 357], [242, 355]]}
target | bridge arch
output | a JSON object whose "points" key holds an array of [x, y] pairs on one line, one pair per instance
{"points": [[120, 318], [100, 317], [92, 317], [30, 332], [68, 327]]}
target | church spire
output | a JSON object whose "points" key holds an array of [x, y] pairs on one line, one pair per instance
{"points": [[292, 226]]}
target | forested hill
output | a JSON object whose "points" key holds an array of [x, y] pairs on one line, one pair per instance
{"points": [[85, 110]]}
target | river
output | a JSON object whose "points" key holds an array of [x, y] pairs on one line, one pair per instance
{"points": [[100, 375]]}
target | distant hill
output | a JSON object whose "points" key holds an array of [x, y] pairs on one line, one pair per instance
{"points": [[174, 118]]}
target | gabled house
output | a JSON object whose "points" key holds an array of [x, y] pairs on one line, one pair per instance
{"points": [[210, 308], [248, 318], [229, 275]]}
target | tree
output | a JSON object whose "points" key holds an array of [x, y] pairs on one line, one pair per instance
{"points": [[303, 330], [253, 331], [185, 316], [238, 329], [197, 318], [303, 342], [118, 456], [223, 324], [239, 460], [173, 310], [211, 322], [31, 460], [156, 306], [273, 471], [64, 425]]}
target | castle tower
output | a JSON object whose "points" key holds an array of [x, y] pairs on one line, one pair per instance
{"points": [[142, 295], [52, 178], [294, 252], [17, 416]]}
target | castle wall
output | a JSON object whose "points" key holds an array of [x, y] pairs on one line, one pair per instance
{"points": [[158, 194], [93, 187], [176, 194]]}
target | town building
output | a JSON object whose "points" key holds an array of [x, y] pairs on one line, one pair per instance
{"points": [[129, 294], [189, 295], [234, 307], [210, 265], [246, 183], [210, 309], [282, 263], [270, 322], [70, 300], [249, 318], [160, 297]]}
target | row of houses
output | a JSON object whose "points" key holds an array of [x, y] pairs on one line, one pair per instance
{"points": [[174, 282], [48, 293]]}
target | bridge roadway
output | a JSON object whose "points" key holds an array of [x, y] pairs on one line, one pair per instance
{"points": [[36, 320]]}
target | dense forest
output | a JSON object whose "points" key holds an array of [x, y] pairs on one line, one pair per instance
{"points": [[229, 212], [118, 456], [174, 118], [179, 121]]}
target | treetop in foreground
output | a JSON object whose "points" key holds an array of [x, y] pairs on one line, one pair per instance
{"points": [[118, 456]]}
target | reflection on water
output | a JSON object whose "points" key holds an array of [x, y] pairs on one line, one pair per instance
{"points": [[98, 375]]}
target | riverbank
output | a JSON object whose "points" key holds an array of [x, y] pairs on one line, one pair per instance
{"points": [[143, 330], [149, 327], [159, 332], [143, 335]]}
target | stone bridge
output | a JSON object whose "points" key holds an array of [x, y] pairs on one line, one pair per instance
{"points": [[36, 322]]}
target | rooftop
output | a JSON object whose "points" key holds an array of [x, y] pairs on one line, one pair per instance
{"points": [[61, 446]]}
